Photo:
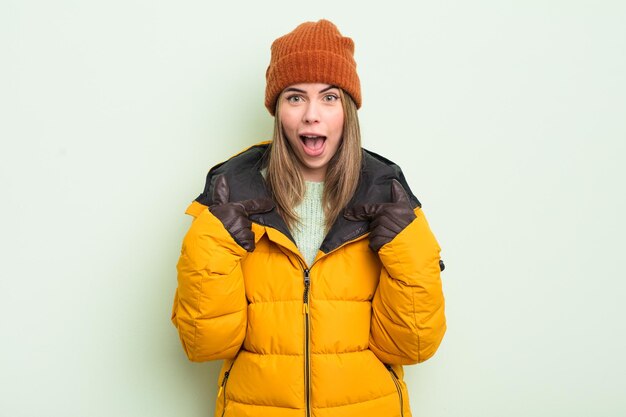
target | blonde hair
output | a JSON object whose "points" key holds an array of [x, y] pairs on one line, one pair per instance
{"points": [[285, 180]]}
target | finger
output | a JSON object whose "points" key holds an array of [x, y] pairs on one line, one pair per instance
{"points": [[247, 240], [257, 206], [398, 195], [242, 234], [387, 225], [221, 191], [363, 212]]}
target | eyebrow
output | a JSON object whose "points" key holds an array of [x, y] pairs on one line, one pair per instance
{"points": [[297, 90]]}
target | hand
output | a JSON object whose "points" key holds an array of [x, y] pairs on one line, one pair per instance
{"points": [[234, 215], [386, 219]]}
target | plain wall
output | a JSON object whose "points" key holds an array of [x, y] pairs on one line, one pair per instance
{"points": [[508, 119]]}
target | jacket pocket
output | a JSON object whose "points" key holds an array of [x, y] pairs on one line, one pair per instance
{"points": [[396, 381]]}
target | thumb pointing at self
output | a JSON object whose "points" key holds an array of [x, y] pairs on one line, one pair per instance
{"points": [[234, 215]]}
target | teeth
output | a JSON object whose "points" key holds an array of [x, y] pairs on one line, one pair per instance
{"points": [[312, 142]]}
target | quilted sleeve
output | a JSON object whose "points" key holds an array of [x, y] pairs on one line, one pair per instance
{"points": [[408, 320], [210, 304]]}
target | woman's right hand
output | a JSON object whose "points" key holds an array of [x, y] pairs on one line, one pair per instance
{"points": [[234, 215]]}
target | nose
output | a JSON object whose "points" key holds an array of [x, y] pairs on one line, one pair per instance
{"points": [[311, 113]]}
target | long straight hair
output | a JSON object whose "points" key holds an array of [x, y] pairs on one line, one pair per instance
{"points": [[285, 180]]}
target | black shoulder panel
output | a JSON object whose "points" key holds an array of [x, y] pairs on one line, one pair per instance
{"points": [[243, 174], [375, 182]]}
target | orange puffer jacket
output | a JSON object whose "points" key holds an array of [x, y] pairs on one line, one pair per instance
{"points": [[323, 340]]}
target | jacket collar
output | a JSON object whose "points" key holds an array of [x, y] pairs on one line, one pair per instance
{"points": [[243, 173]]}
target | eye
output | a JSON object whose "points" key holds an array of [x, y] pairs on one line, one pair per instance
{"points": [[331, 97], [294, 99]]}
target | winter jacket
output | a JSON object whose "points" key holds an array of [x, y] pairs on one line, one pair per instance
{"points": [[321, 340]]}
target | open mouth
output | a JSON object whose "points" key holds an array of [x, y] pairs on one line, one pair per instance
{"points": [[313, 145]]}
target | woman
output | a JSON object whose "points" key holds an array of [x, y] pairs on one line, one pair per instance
{"points": [[309, 267]]}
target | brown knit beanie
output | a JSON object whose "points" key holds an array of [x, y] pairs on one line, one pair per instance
{"points": [[314, 52]]}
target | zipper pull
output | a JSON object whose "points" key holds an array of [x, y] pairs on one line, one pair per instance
{"points": [[307, 284], [223, 383]]}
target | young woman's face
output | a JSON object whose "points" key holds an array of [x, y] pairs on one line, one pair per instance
{"points": [[312, 120]]}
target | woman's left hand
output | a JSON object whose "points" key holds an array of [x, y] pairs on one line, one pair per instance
{"points": [[387, 219]]}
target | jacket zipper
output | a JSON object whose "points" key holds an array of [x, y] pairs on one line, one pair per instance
{"points": [[396, 382], [307, 337], [307, 329], [223, 387]]}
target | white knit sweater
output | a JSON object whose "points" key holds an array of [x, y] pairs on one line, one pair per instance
{"points": [[309, 232]]}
